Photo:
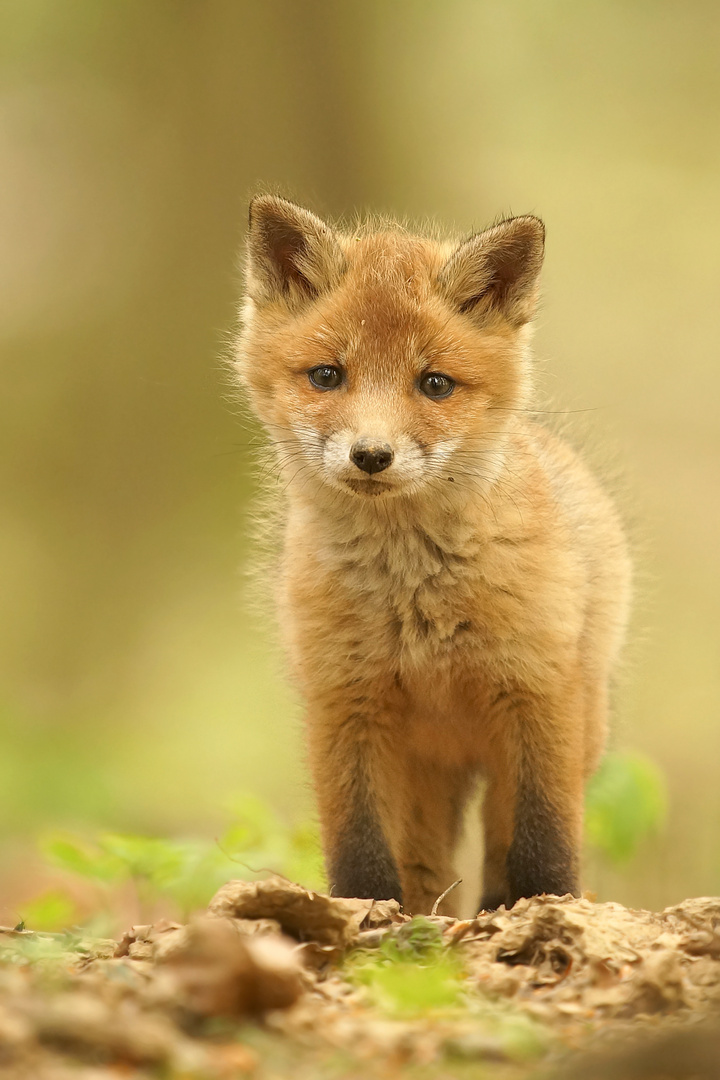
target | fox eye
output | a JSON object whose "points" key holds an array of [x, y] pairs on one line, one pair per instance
{"points": [[436, 385], [325, 377]]}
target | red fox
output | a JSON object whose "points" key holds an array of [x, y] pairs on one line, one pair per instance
{"points": [[453, 585]]}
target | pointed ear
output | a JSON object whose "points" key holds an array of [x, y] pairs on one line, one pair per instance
{"points": [[497, 270], [291, 253]]}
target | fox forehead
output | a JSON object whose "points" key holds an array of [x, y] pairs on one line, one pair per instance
{"points": [[391, 279], [387, 311], [394, 260]]}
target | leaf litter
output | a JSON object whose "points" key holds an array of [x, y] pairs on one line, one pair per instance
{"points": [[274, 973]]}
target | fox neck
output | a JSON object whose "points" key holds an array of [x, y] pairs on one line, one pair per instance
{"points": [[455, 516]]}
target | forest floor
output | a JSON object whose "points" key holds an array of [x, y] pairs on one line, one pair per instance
{"points": [[276, 981]]}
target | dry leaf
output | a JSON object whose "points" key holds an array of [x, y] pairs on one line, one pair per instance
{"points": [[304, 915], [220, 972]]}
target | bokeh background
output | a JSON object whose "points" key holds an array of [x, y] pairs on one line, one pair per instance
{"points": [[138, 689]]}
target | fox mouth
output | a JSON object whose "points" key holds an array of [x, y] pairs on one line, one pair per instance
{"points": [[368, 487]]}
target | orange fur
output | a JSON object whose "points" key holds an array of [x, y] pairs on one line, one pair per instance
{"points": [[458, 613]]}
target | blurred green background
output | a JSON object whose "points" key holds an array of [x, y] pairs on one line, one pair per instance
{"points": [[138, 690]]}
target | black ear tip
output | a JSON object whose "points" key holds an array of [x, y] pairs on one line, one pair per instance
{"points": [[537, 222], [264, 204], [528, 224], [539, 226], [528, 232]]}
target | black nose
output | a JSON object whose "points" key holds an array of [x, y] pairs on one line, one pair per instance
{"points": [[371, 457]]}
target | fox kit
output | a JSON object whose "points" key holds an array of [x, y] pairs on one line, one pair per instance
{"points": [[453, 584]]}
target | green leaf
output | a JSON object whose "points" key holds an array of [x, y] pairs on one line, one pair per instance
{"points": [[304, 859], [188, 872], [626, 801], [52, 910], [144, 857], [86, 860], [410, 988]]}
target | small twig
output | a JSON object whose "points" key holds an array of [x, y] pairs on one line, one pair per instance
{"points": [[442, 896], [252, 869]]}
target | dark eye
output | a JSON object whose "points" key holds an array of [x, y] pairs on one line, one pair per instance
{"points": [[435, 385], [325, 377]]}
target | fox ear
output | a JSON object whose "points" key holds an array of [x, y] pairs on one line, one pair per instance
{"points": [[497, 270], [291, 253]]}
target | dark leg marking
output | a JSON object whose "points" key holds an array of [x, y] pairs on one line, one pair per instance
{"points": [[361, 864], [542, 856]]}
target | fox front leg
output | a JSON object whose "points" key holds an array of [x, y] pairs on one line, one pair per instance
{"points": [[533, 804], [350, 765], [359, 861], [543, 855]]}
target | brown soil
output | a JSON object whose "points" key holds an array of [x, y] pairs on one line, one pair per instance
{"points": [[276, 981]]}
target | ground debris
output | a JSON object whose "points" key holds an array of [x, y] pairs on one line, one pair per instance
{"points": [[303, 914], [327, 975], [219, 972]]}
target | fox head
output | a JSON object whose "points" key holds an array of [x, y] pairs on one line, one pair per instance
{"points": [[382, 362]]}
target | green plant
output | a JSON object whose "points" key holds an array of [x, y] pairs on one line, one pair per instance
{"points": [[184, 873], [414, 973], [626, 802], [411, 973]]}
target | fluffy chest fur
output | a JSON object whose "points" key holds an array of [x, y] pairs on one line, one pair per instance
{"points": [[431, 600], [405, 577]]}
